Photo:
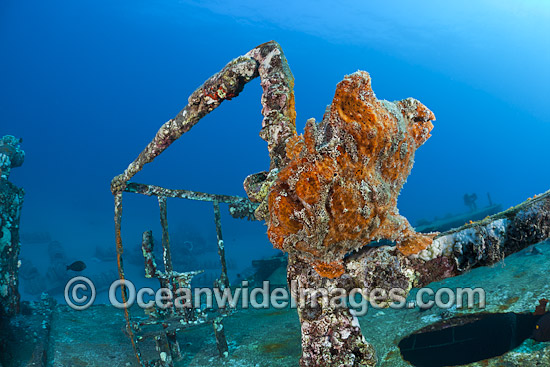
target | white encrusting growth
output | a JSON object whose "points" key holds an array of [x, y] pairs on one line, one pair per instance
{"points": [[454, 243]]}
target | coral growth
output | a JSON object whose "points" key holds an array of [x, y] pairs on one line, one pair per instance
{"points": [[11, 155], [331, 335], [11, 202], [339, 190]]}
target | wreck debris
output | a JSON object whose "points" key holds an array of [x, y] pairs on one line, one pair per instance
{"points": [[11, 202], [24, 338], [221, 341], [162, 325], [138, 331]]}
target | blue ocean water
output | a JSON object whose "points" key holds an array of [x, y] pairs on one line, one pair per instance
{"points": [[86, 84]]}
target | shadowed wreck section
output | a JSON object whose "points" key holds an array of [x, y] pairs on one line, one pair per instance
{"points": [[11, 203], [332, 191]]}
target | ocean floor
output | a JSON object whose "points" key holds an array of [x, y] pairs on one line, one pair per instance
{"points": [[271, 337]]}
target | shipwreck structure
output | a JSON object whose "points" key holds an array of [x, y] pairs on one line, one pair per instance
{"points": [[332, 191], [161, 325], [11, 202]]}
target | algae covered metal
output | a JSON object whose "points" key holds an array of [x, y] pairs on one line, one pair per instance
{"points": [[11, 202], [161, 325]]}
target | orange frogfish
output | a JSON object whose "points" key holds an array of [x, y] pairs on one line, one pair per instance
{"points": [[338, 190]]}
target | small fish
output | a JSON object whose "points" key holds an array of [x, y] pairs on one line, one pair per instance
{"points": [[77, 266]]}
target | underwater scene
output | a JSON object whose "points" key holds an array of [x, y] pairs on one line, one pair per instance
{"points": [[374, 189]]}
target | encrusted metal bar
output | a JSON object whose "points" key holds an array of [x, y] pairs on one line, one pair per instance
{"points": [[221, 341], [173, 280], [239, 207], [152, 190], [267, 61], [148, 255], [490, 240], [331, 336], [167, 253], [175, 350], [119, 252], [223, 281], [162, 346]]}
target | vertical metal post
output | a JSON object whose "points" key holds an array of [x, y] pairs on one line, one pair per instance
{"points": [[223, 282], [163, 348], [147, 245], [174, 345], [167, 255], [221, 341], [119, 251]]}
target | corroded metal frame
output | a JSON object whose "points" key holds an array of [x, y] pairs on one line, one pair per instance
{"points": [[266, 61], [163, 325]]}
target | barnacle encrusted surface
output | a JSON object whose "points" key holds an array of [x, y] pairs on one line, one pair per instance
{"points": [[339, 190]]}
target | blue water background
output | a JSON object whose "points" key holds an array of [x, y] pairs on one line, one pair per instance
{"points": [[87, 84]]}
